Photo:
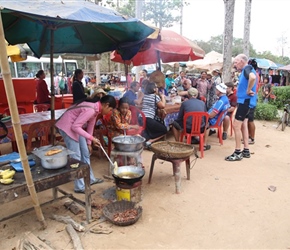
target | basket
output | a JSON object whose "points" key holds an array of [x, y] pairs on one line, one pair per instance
{"points": [[120, 206], [172, 150]]}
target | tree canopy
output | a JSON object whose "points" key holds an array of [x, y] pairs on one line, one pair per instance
{"points": [[216, 43]]}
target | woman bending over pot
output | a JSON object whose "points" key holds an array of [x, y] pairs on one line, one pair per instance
{"points": [[77, 139]]}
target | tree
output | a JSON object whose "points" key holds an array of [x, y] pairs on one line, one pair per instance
{"points": [[247, 24], [228, 39], [164, 13]]}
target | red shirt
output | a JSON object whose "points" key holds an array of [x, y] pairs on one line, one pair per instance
{"points": [[233, 100], [42, 93]]}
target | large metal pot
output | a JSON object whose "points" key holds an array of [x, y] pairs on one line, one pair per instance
{"points": [[128, 143], [54, 161], [129, 174]]}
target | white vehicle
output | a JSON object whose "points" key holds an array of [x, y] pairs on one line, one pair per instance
{"points": [[29, 67]]}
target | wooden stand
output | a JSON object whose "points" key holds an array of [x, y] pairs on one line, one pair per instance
{"points": [[176, 169]]}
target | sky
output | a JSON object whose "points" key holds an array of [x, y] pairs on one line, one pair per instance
{"points": [[269, 23]]}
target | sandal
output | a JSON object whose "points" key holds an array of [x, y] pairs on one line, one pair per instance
{"points": [[206, 147], [234, 157], [97, 181], [83, 191]]}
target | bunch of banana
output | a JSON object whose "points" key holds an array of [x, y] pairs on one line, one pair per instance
{"points": [[6, 176]]}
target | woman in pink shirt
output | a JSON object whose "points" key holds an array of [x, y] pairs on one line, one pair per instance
{"points": [[77, 139]]}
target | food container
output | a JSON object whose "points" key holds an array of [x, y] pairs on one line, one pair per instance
{"points": [[128, 143], [55, 161], [129, 174]]}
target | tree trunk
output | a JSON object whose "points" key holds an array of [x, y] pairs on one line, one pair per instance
{"points": [[247, 23], [228, 39]]}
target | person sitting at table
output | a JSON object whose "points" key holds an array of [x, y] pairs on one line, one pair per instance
{"points": [[219, 106], [131, 93], [79, 140], [78, 89], [151, 102], [99, 92], [191, 105], [169, 81], [42, 93], [183, 91]]}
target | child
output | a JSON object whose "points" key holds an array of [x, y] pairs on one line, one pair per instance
{"points": [[120, 122], [121, 118]]}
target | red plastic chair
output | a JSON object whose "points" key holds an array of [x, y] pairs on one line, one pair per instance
{"points": [[21, 110], [135, 112], [197, 119], [219, 126], [38, 134], [41, 107]]}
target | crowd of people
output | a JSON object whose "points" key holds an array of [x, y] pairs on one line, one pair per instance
{"points": [[228, 102]]}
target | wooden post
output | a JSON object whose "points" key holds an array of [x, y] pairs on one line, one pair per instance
{"points": [[9, 89]]}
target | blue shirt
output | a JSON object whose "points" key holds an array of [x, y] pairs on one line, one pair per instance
{"points": [[219, 106], [243, 86], [131, 96], [168, 83]]}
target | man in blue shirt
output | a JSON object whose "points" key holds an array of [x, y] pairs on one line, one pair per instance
{"points": [[247, 100], [219, 106], [131, 94]]}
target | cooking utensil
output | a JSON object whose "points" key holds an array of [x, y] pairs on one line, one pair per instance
{"points": [[107, 155], [114, 166], [128, 143], [129, 174], [55, 161]]}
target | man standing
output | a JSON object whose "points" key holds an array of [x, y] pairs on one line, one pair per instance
{"points": [[191, 105], [246, 99], [131, 94], [233, 103]]}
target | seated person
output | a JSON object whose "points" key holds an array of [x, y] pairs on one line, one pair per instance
{"points": [[131, 93], [120, 119], [151, 102], [233, 104], [169, 81], [219, 106], [183, 91], [191, 105], [119, 122]]}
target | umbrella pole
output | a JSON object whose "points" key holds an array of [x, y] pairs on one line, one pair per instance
{"points": [[9, 89], [52, 101], [126, 74]]}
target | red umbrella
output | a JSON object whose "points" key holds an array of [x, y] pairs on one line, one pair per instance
{"points": [[170, 46]]}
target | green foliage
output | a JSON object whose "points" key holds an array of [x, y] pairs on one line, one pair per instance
{"points": [[216, 43], [265, 111], [128, 9], [164, 13], [282, 95]]}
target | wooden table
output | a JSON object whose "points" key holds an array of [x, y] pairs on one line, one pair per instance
{"points": [[26, 120], [46, 179]]}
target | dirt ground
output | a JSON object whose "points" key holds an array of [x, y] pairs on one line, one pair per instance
{"points": [[225, 205]]}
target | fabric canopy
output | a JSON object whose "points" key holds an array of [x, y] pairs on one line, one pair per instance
{"points": [[169, 47], [78, 27]]}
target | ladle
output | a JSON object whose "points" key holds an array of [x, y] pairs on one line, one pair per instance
{"points": [[107, 155]]}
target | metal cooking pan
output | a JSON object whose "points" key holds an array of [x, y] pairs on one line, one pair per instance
{"points": [[129, 174]]}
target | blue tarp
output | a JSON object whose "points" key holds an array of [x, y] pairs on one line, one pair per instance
{"points": [[71, 27]]}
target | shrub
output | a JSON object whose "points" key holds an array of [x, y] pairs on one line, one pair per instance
{"points": [[265, 111], [282, 95]]}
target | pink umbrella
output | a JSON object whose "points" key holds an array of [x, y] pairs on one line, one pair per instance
{"points": [[169, 47]]}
